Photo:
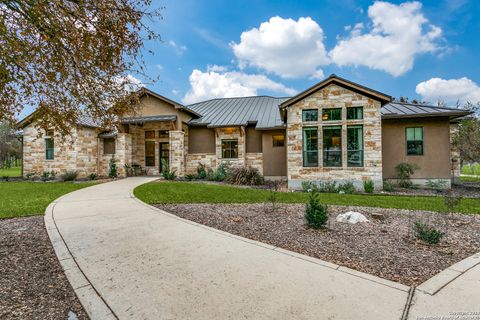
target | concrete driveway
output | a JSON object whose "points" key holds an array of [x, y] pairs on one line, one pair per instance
{"points": [[127, 260]]}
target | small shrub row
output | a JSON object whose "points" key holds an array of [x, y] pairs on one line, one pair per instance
{"points": [[332, 187], [469, 169]]}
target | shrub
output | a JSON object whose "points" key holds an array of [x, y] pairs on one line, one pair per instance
{"points": [[201, 171], [308, 186], [48, 175], [92, 176], [328, 187], [404, 172], [30, 176], [437, 184], [388, 186], [467, 169], [316, 213], [476, 169], [368, 186], [246, 175], [166, 173], [347, 187], [427, 233], [112, 172], [69, 176], [190, 177]]}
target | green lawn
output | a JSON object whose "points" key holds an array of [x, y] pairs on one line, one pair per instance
{"points": [[184, 192], [11, 172], [19, 199], [470, 178]]}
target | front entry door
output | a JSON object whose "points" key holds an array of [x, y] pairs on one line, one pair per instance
{"points": [[164, 155]]}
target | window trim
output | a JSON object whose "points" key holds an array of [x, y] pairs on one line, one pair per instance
{"points": [[229, 149], [356, 107], [52, 149], [330, 120], [154, 151], [356, 126], [304, 129], [423, 141], [304, 111], [341, 145]]}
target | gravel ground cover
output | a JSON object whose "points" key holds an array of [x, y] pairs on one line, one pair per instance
{"points": [[384, 248], [32, 282]]}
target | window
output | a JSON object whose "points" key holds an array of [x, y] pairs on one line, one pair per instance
{"points": [[355, 146], [310, 147], [332, 114], [332, 146], [163, 133], [278, 140], [414, 141], [150, 134], [230, 148], [150, 153], [109, 146], [355, 113], [49, 145], [310, 115]]}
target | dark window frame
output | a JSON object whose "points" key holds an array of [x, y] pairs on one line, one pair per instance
{"points": [[164, 135], [415, 141], [230, 146], [305, 115], [354, 109], [49, 150], [306, 154], [326, 153], [327, 110], [351, 151], [149, 158]]}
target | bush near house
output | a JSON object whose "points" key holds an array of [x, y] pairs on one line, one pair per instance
{"points": [[404, 172], [467, 169], [246, 175], [368, 186]]}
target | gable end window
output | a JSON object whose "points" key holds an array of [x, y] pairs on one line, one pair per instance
{"points": [[230, 148], [310, 147], [355, 113], [333, 114], [309, 115], [414, 141], [109, 146], [49, 146]]}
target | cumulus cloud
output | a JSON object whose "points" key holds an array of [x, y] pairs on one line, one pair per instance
{"points": [[398, 34], [449, 90], [220, 84], [284, 47]]}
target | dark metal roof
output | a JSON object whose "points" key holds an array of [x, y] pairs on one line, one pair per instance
{"points": [[410, 110], [262, 110], [133, 120]]}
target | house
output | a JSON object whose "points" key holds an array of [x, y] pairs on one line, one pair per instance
{"points": [[336, 130]]}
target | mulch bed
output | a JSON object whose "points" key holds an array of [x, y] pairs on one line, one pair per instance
{"points": [[32, 283], [384, 248]]}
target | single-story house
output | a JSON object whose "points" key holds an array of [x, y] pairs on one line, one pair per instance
{"points": [[336, 130]]}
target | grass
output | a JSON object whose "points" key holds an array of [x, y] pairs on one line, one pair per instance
{"points": [[19, 199], [11, 172], [470, 178], [184, 192]]}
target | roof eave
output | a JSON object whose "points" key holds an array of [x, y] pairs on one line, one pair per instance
{"points": [[451, 115]]}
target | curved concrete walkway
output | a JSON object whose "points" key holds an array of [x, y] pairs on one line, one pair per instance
{"points": [[128, 260]]}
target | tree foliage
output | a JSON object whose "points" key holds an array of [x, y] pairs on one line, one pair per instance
{"points": [[68, 58], [467, 140], [10, 146]]}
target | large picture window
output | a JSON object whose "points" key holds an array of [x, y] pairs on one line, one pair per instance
{"points": [[332, 146], [414, 137], [332, 114], [355, 113], [49, 146], [229, 148], [355, 146], [150, 153], [309, 115], [310, 147]]}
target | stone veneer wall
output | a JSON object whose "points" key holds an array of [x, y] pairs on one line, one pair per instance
{"points": [[193, 160], [230, 133], [254, 160], [123, 155], [334, 96], [177, 152]]}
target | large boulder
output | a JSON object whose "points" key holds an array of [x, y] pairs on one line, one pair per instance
{"points": [[351, 217]]}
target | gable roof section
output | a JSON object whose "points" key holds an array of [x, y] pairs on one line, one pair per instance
{"points": [[176, 105], [396, 110], [376, 95], [260, 110]]}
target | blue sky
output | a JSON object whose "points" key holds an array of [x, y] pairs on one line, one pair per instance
{"points": [[216, 48]]}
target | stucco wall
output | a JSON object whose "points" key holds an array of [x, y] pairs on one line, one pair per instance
{"points": [[274, 158], [201, 140], [435, 161], [334, 96]]}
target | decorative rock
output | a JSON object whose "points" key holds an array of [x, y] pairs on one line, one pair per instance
{"points": [[351, 217], [378, 216]]}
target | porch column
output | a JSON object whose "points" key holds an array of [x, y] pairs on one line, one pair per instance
{"points": [[177, 152], [123, 152]]}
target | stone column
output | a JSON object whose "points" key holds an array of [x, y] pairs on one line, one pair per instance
{"points": [[177, 152], [123, 152]]}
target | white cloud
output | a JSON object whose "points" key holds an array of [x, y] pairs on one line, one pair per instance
{"points": [[159, 67], [178, 48], [129, 83], [449, 91], [398, 34], [285, 47], [212, 84], [175, 92]]}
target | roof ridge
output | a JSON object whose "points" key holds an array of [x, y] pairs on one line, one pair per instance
{"points": [[240, 97]]}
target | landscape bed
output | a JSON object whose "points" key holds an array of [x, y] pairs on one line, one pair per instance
{"points": [[384, 248]]}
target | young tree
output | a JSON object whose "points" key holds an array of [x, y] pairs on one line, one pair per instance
{"points": [[10, 146], [68, 57], [467, 140]]}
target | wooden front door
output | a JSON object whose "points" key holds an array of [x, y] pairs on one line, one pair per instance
{"points": [[164, 155]]}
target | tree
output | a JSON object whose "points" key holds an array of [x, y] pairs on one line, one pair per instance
{"points": [[10, 146], [68, 58], [467, 140]]}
